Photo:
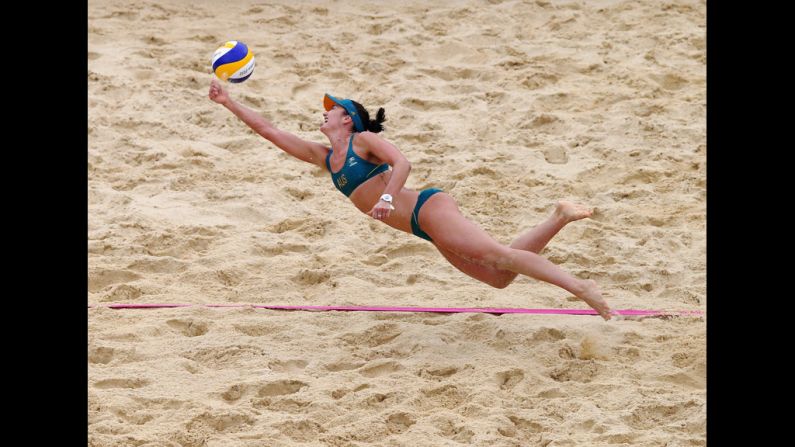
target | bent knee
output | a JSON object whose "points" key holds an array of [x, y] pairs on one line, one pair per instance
{"points": [[499, 284], [501, 279], [498, 257]]}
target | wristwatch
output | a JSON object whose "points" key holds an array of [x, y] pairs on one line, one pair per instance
{"points": [[388, 199]]}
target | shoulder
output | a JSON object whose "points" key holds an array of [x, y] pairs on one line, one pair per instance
{"points": [[377, 146], [368, 139]]}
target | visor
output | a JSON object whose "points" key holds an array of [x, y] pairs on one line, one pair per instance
{"points": [[347, 104]]}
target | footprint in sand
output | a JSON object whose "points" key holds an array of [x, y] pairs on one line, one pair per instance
{"points": [[429, 105], [100, 355], [552, 393], [224, 357], [446, 396], [525, 425], [654, 416], [122, 292], [399, 422], [189, 328], [281, 387], [258, 329], [222, 422], [135, 417], [670, 81], [121, 383], [508, 379], [339, 393], [458, 433], [309, 277], [548, 334], [288, 366], [575, 370], [302, 431], [342, 366], [380, 370], [556, 155], [438, 373], [235, 392], [99, 279], [377, 335], [379, 400], [287, 405], [229, 277], [299, 194]]}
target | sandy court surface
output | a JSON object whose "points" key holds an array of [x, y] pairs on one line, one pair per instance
{"points": [[508, 106]]}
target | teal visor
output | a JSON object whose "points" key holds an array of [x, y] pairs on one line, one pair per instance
{"points": [[347, 104]]}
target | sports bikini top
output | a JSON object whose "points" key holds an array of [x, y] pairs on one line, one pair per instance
{"points": [[354, 172]]}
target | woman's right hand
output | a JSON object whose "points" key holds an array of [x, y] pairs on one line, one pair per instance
{"points": [[218, 93]]}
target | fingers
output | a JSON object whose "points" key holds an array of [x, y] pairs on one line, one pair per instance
{"points": [[216, 93], [215, 87], [379, 214]]}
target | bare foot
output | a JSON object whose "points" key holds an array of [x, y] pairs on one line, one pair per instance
{"points": [[593, 297], [571, 211]]}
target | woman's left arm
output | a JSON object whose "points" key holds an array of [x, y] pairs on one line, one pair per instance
{"points": [[401, 168]]}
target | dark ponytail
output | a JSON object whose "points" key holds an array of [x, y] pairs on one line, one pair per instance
{"points": [[375, 125]]}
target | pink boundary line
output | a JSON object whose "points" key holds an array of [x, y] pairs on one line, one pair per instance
{"points": [[489, 310]]}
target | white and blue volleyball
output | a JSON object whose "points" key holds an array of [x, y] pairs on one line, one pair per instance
{"points": [[233, 62]]}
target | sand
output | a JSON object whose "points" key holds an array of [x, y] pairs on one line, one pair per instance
{"points": [[508, 106]]}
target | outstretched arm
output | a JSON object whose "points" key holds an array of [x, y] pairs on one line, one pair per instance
{"points": [[307, 151]]}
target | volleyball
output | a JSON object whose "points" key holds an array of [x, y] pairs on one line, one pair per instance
{"points": [[233, 62]]}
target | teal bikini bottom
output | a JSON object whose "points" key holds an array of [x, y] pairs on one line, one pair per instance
{"points": [[415, 223]]}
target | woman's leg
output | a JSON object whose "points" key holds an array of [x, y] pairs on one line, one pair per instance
{"points": [[538, 237], [452, 232], [533, 240], [490, 275]]}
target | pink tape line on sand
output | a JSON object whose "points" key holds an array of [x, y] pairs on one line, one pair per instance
{"points": [[487, 310]]}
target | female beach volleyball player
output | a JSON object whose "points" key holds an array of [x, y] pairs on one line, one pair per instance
{"points": [[359, 162]]}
